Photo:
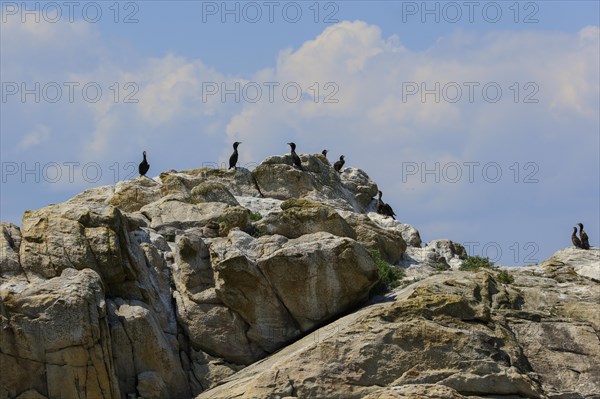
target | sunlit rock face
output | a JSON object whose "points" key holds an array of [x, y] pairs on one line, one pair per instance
{"points": [[237, 283]]}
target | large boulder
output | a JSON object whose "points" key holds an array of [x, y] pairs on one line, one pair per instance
{"points": [[132, 195], [209, 324], [84, 235], [583, 262], [301, 216], [238, 182], [244, 289], [283, 287], [388, 242], [319, 276], [351, 190], [212, 192], [54, 338], [171, 216], [410, 235], [141, 346]]}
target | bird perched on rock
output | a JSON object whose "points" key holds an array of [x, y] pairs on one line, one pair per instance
{"points": [[583, 237], [339, 164], [234, 157], [295, 157], [324, 152], [383, 208], [574, 239], [144, 166]]}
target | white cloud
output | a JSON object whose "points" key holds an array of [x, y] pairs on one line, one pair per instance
{"points": [[373, 123], [35, 137]]}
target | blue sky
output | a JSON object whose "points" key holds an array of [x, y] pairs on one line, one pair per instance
{"points": [[479, 121]]}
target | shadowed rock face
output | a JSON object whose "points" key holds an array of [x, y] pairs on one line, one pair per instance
{"points": [[179, 286]]}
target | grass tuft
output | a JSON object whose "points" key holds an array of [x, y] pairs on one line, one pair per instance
{"points": [[389, 276]]}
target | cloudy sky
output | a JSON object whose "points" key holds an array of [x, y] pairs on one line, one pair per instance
{"points": [[478, 120]]}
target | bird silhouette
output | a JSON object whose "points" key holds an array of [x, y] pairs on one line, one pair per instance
{"points": [[144, 166]]}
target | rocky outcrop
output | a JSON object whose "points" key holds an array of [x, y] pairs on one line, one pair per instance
{"points": [[229, 282], [300, 217], [388, 241], [350, 190], [450, 335], [10, 242], [56, 339], [434, 257], [583, 262], [155, 288]]}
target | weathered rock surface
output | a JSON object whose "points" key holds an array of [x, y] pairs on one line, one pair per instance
{"points": [[584, 262], [350, 190], [300, 217], [132, 195], [231, 283], [451, 335], [55, 338], [436, 256], [10, 242], [239, 182], [389, 242]]}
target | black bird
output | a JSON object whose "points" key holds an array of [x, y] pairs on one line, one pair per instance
{"points": [[383, 208], [338, 164], [585, 243], [576, 241], [295, 157], [234, 157], [144, 166], [325, 153]]}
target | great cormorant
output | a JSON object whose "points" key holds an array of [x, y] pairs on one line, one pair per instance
{"points": [[295, 157], [234, 157], [324, 152], [585, 243], [576, 241], [338, 164], [144, 166], [383, 208]]}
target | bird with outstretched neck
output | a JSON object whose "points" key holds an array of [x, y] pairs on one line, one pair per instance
{"points": [[234, 157], [575, 240], [295, 157], [339, 164], [144, 166], [383, 208], [583, 237]]}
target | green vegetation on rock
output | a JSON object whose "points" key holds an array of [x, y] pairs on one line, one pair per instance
{"points": [[255, 216], [505, 277], [475, 263], [389, 276]]}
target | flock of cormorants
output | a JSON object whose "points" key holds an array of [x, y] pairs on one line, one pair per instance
{"points": [[382, 207], [581, 242]]}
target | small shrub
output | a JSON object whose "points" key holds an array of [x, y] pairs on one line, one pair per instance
{"points": [[505, 277], [474, 263], [440, 267], [255, 216], [389, 275]]}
